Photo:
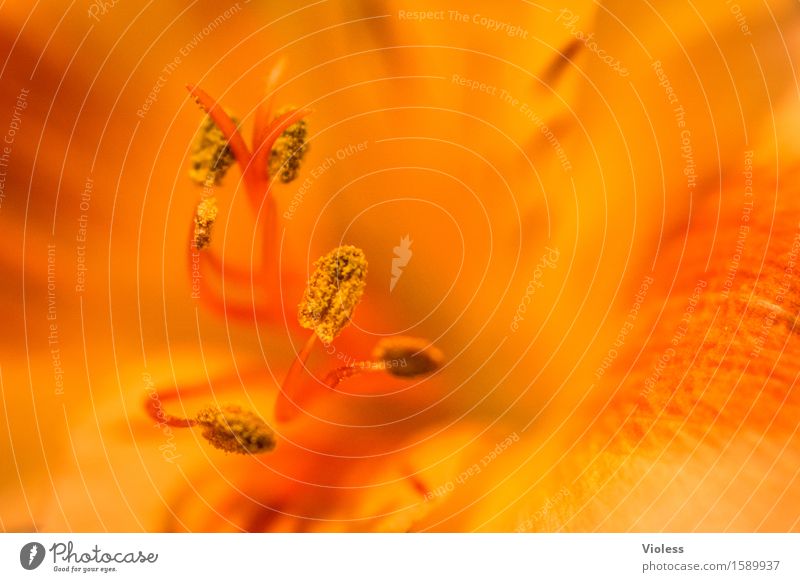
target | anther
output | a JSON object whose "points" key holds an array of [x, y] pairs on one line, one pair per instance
{"points": [[204, 219], [408, 356], [333, 291], [211, 156], [288, 149], [401, 356], [235, 430]]}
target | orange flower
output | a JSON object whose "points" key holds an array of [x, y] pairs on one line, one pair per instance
{"points": [[579, 225]]}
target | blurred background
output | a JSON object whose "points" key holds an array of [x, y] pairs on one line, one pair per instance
{"points": [[596, 194]]}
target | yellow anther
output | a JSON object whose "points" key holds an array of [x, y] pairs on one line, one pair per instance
{"points": [[408, 356], [204, 218], [288, 150], [235, 430], [333, 291], [211, 157]]}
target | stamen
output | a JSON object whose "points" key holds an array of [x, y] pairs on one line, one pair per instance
{"points": [[333, 291], [211, 156], [218, 144], [289, 149], [230, 427], [204, 219], [235, 430]]}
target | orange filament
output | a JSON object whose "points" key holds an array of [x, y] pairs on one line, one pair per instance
{"points": [[290, 393], [207, 263]]}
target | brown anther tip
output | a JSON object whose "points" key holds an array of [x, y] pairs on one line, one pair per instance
{"points": [[407, 356], [232, 429]]}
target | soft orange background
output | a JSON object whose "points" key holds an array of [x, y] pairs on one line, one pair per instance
{"points": [[481, 191]]}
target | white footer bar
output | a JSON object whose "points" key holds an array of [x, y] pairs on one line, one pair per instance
{"points": [[401, 557]]}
